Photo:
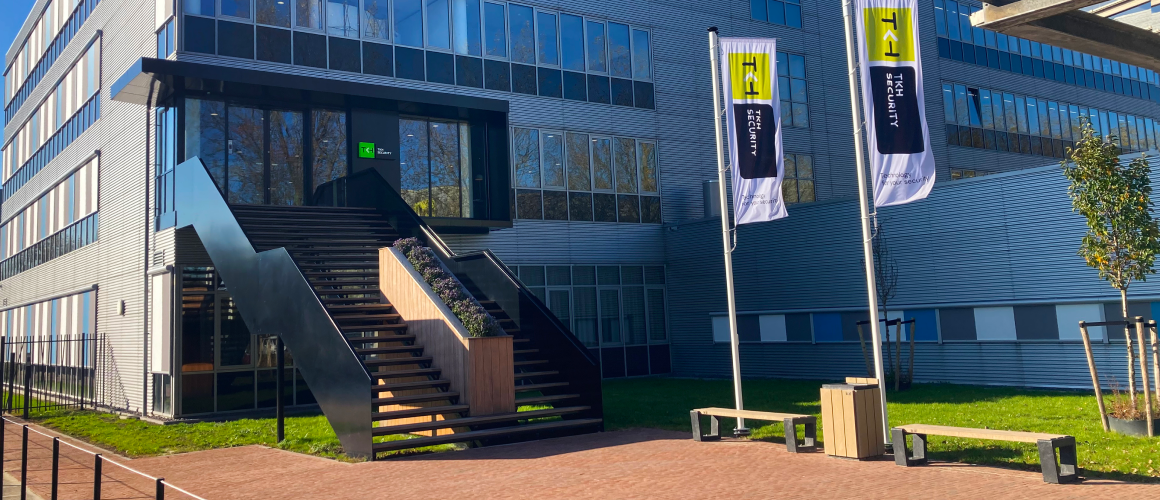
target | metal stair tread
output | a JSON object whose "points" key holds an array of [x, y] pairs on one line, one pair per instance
{"points": [[468, 421], [403, 444], [536, 387], [419, 412], [413, 360], [537, 374], [545, 399], [415, 398], [408, 386], [405, 373], [398, 349], [532, 362], [373, 328]]}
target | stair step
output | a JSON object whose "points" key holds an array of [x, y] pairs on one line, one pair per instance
{"points": [[313, 223], [537, 387], [525, 351], [415, 398], [413, 360], [468, 421], [373, 328], [324, 277], [521, 341], [434, 372], [335, 233], [545, 399], [359, 339], [410, 386], [419, 412], [340, 265], [347, 309], [532, 362], [365, 317], [371, 295], [403, 444], [367, 351], [333, 257], [537, 374]]}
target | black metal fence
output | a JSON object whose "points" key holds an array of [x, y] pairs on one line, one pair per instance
{"points": [[43, 373]]}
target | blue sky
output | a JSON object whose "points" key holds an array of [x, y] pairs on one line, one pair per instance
{"points": [[12, 15]]}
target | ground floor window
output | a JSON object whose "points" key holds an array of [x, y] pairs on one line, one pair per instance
{"points": [[224, 367], [435, 166], [616, 311]]}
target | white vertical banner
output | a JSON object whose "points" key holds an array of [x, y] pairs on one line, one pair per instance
{"points": [[753, 117], [901, 162]]}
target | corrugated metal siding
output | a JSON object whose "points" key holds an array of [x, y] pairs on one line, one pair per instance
{"points": [[1008, 238]]}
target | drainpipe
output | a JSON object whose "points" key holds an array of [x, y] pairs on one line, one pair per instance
{"points": [[145, 266]]}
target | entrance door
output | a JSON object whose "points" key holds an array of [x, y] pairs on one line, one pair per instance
{"points": [[265, 156]]}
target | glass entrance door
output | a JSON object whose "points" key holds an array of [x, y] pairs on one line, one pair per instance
{"points": [[265, 156]]}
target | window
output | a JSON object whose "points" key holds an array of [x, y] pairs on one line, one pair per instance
{"points": [[572, 42], [641, 56], [235, 8], [798, 183], [409, 22], [273, 13], [435, 167], [376, 17], [308, 14], [619, 53], [958, 173], [526, 157], [465, 17], [438, 24], [597, 49], [522, 34], [495, 30], [784, 12], [791, 81], [546, 39]]}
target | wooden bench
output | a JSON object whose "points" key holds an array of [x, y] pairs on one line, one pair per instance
{"points": [[789, 420], [1065, 472]]}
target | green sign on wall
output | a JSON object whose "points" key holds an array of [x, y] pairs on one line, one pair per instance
{"points": [[366, 150]]}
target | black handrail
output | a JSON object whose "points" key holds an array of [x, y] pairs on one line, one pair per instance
{"points": [[275, 298], [488, 274]]}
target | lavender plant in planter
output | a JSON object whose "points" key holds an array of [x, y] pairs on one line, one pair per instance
{"points": [[473, 316]]}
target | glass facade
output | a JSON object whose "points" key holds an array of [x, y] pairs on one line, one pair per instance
{"points": [[223, 367], [959, 41], [619, 312], [435, 167], [784, 12], [500, 46]]}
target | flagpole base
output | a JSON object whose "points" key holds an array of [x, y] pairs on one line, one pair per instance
{"points": [[740, 432]]}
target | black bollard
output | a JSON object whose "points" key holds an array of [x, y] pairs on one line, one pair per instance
{"points": [[97, 477], [280, 388], [55, 466]]}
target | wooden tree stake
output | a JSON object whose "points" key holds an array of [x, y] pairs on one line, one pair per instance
{"points": [[1087, 346], [910, 370], [898, 354], [1144, 374], [865, 356], [1155, 361]]}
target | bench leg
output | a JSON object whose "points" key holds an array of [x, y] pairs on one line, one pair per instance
{"points": [[1067, 471], [916, 457], [809, 444], [714, 426]]}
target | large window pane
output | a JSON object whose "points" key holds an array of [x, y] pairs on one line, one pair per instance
{"points": [[415, 180], [376, 17], [495, 29], [465, 14], [446, 174], [579, 169], [235, 391], [618, 48], [286, 175], [236, 8], [634, 316], [553, 160], [546, 38], [246, 155], [526, 157], [342, 17], [610, 316], [597, 47], [948, 102], [572, 41], [1033, 117], [409, 22], [584, 315], [625, 160], [757, 9], [205, 137], [329, 147], [641, 55], [235, 337], [657, 331], [1009, 112], [602, 163], [273, 13], [197, 325], [985, 108], [647, 158], [438, 24], [522, 34]]}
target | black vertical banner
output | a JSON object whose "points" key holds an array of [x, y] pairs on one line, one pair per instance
{"points": [[897, 118]]}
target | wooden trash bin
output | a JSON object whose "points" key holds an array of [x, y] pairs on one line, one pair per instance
{"points": [[852, 419]]}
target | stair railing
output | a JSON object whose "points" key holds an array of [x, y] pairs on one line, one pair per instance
{"points": [[487, 273], [274, 298]]}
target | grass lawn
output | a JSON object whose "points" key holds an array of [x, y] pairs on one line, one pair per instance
{"points": [[665, 404]]}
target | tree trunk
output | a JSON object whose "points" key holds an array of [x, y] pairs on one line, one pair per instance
{"points": [[889, 362], [1131, 350], [898, 355]]}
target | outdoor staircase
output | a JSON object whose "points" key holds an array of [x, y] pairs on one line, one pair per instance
{"points": [[337, 251]]}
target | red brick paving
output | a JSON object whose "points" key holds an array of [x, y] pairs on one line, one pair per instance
{"points": [[622, 465]]}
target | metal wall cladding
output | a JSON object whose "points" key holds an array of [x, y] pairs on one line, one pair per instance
{"points": [[1005, 239]]}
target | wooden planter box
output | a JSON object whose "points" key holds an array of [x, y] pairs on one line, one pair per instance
{"points": [[480, 369]]}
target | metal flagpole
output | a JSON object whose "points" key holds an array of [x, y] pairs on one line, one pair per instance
{"points": [[714, 54], [867, 237]]}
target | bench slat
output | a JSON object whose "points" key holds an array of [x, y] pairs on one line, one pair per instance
{"points": [[966, 432], [755, 415]]}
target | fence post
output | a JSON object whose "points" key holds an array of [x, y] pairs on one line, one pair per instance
{"points": [[160, 488], [97, 477], [11, 380], [24, 465], [55, 465], [280, 387], [3, 374], [27, 387]]}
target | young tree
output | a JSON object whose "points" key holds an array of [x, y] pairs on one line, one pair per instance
{"points": [[886, 278], [1116, 200]]}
